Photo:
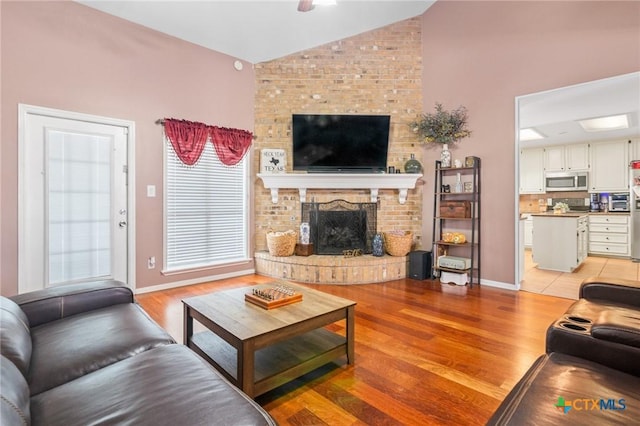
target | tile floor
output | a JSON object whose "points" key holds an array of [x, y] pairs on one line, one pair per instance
{"points": [[564, 284]]}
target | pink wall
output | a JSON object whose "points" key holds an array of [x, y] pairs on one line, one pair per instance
{"points": [[67, 56], [478, 54], [484, 54]]}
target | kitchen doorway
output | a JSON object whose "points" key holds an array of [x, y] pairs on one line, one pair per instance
{"points": [[75, 200], [549, 119]]}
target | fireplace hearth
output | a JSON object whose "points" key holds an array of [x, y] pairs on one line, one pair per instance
{"points": [[338, 225]]}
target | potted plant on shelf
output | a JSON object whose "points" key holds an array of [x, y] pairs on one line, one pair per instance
{"points": [[443, 127]]}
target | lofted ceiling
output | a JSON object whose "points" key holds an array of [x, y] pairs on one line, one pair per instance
{"points": [[259, 31], [263, 30]]}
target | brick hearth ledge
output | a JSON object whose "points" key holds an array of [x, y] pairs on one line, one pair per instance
{"points": [[324, 269]]}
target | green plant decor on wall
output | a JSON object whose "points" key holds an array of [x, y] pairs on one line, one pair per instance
{"points": [[442, 126]]}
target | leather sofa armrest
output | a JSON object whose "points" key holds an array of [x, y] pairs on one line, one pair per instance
{"points": [[618, 326], [54, 303], [611, 290]]}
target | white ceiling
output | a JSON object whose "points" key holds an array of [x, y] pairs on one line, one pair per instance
{"points": [[555, 113], [258, 31]]}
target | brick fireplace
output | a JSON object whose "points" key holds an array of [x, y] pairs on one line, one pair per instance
{"points": [[338, 228], [377, 72]]}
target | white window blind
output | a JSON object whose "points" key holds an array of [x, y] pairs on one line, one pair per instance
{"points": [[206, 211]]}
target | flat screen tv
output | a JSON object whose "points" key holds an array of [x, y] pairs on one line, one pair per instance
{"points": [[340, 143]]}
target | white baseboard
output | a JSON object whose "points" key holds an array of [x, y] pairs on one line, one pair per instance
{"points": [[176, 284], [498, 284], [200, 280]]}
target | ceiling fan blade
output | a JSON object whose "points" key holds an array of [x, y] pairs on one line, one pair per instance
{"points": [[305, 5]]}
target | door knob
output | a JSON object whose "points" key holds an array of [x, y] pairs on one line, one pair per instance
{"points": [[122, 224]]}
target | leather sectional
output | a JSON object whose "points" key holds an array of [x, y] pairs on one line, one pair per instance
{"points": [[88, 354], [590, 374]]}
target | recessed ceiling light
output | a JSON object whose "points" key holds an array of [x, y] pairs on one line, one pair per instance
{"points": [[530, 134], [611, 122], [307, 5]]}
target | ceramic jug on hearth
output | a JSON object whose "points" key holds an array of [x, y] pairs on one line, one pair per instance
{"points": [[377, 248]]}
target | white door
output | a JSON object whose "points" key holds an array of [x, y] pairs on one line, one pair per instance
{"points": [[72, 200]]}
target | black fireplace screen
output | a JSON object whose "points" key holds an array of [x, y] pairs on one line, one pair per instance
{"points": [[339, 225]]}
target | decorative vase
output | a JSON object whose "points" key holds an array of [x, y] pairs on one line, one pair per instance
{"points": [[304, 233], [377, 246], [412, 165], [445, 156], [458, 183]]}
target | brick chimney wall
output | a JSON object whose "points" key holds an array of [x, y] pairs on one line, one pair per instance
{"points": [[378, 72]]}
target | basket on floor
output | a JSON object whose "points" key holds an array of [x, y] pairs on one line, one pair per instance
{"points": [[281, 243], [398, 243]]}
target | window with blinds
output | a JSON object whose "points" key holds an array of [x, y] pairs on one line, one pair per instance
{"points": [[205, 211]]}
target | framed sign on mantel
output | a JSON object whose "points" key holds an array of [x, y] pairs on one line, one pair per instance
{"points": [[273, 160]]}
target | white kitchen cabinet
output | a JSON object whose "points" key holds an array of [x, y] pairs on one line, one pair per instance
{"points": [[559, 241], [562, 158], [576, 157], [583, 239], [532, 171], [609, 166], [609, 234], [634, 154], [554, 158], [528, 232]]}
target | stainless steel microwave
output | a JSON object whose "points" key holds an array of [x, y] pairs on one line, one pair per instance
{"points": [[566, 181]]}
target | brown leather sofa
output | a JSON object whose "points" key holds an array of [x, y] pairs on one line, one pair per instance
{"points": [[88, 354], [590, 373], [602, 326]]}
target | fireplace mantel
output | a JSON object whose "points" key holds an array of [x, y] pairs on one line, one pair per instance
{"points": [[371, 181]]}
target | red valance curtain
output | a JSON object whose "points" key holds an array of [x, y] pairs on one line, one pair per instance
{"points": [[188, 139], [230, 144]]}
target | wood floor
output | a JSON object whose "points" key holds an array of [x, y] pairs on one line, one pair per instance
{"points": [[567, 284], [425, 353]]}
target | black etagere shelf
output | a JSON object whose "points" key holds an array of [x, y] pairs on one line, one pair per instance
{"points": [[469, 224]]}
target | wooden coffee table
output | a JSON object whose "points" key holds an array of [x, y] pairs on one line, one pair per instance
{"points": [[259, 349]]}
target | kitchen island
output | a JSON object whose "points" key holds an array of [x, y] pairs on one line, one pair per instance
{"points": [[560, 241]]}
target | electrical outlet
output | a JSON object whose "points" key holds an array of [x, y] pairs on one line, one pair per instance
{"points": [[151, 262]]}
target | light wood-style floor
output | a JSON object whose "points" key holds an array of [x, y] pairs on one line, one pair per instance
{"points": [[565, 284], [426, 354]]}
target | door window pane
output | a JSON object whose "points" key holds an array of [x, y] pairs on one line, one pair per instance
{"points": [[79, 206]]}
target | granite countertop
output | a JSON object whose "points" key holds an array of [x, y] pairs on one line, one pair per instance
{"points": [[572, 213], [567, 214], [614, 213]]}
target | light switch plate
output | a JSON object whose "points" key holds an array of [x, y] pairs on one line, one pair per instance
{"points": [[151, 191]]}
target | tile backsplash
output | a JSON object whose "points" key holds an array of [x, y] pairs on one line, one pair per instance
{"points": [[529, 202]]}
